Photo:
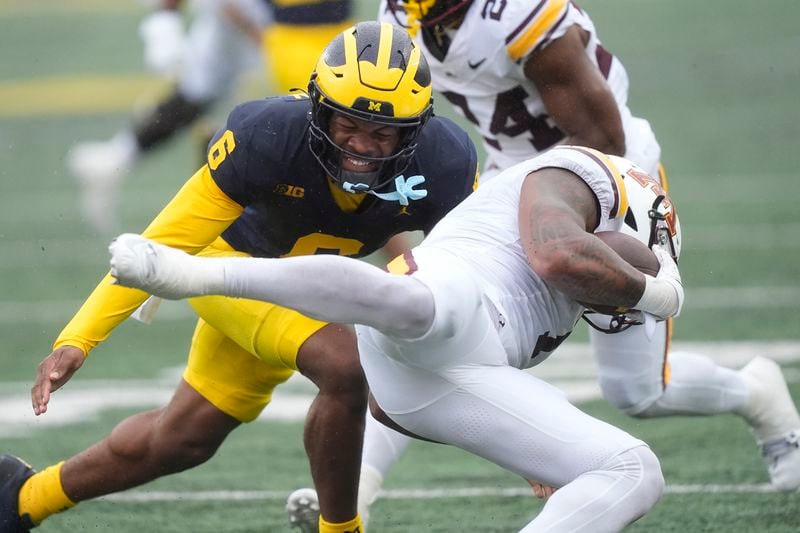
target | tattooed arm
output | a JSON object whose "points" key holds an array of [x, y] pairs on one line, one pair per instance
{"points": [[558, 213]]}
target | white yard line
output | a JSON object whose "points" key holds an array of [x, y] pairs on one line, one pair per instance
{"points": [[571, 369], [403, 494]]}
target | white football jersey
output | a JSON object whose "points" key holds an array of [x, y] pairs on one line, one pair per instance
{"points": [[482, 76], [484, 232]]}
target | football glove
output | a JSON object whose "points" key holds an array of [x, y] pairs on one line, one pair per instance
{"points": [[163, 37]]}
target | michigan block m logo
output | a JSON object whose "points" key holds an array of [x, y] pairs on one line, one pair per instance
{"points": [[375, 106]]}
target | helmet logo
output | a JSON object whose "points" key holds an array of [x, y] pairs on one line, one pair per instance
{"points": [[374, 106]]}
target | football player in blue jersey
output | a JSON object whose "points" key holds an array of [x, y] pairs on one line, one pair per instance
{"points": [[341, 171]]}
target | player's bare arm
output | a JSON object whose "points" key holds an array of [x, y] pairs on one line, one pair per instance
{"points": [[576, 95], [53, 372], [558, 212]]}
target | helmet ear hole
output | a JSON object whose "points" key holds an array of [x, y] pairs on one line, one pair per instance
{"points": [[351, 79]]}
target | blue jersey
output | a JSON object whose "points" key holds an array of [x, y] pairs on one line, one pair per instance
{"points": [[289, 206]]}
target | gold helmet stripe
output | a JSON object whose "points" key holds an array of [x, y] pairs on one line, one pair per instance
{"points": [[385, 46], [375, 78]]}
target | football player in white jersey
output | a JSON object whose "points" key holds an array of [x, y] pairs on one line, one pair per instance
{"points": [[528, 75], [445, 335], [531, 76]]}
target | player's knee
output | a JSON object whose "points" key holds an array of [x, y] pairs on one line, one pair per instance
{"points": [[639, 477], [330, 359], [343, 378], [348, 386], [632, 398], [651, 480]]}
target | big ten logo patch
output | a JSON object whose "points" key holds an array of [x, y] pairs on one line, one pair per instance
{"points": [[291, 191]]}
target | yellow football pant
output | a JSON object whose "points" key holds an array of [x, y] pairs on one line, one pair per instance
{"points": [[242, 349]]}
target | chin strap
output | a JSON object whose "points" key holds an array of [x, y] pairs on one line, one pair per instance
{"points": [[622, 322], [404, 189]]}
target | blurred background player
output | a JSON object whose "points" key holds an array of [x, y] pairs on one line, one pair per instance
{"points": [[225, 39], [339, 171], [534, 75]]}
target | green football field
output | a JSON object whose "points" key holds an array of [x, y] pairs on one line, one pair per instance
{"points": [[715, 79]]}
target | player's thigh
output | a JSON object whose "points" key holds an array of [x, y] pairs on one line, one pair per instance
{"points": [[519, 422], [407, 374], [228, 376], [269, 332], [242, 349], [272, 333]]}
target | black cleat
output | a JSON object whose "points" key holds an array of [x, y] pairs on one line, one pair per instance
{"points": [[13, 473]]}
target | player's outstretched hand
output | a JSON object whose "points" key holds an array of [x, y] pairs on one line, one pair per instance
{"points": [[53, 372], [140, 263]]}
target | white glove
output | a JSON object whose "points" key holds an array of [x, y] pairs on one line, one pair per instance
{"points": [[163, 36], [663, 294]]}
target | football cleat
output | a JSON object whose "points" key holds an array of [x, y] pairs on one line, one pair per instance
{"points": [[782, 456], [774, 420], [302, 506], [160, 270], [99, 169], [13, 474]]}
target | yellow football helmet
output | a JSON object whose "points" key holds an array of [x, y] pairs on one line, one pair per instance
{"points": [[372, 71]]}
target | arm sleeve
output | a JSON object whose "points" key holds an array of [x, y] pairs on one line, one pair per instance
{"points": [[191, 221]]}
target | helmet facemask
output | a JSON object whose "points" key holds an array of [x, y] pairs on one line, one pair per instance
{"points": [[372, 72], [429, 13], [330, 155]]}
